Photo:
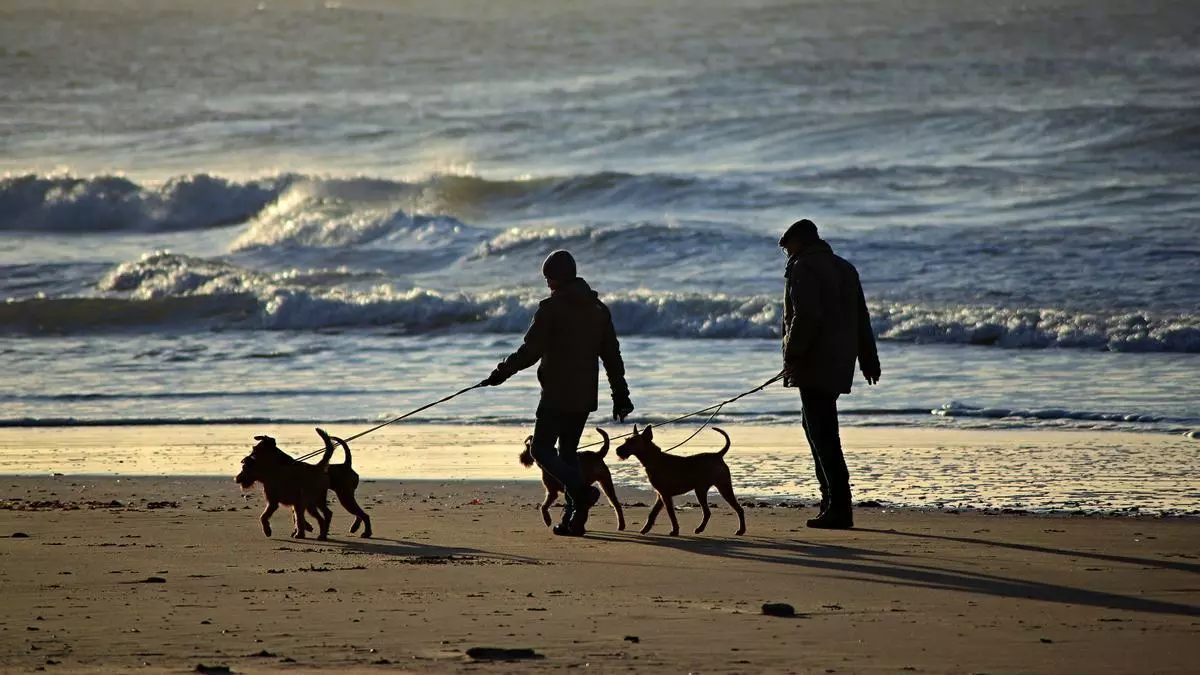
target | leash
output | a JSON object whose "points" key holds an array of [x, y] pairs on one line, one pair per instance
{"points": [[410, 413], [716, 408]]}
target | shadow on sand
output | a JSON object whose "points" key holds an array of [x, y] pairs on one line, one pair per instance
{"points": [[884, 567]]}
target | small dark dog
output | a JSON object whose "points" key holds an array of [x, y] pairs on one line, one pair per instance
{"points": [[672, 475], [290, 482], [594, 470], [343, 480]]}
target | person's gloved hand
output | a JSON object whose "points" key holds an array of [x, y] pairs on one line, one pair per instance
{"points": [[872, 374], [789, 376], [622, 407], [496, 379]]}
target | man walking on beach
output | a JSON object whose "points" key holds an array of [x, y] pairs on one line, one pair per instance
{"points": [[826, 327], [570, 331]]}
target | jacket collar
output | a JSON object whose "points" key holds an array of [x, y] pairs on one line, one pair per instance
{"points": [[818, 246]]}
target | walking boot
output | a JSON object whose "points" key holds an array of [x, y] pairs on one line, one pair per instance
{"points": [[824, 502], [837, 516], [577, 527]]}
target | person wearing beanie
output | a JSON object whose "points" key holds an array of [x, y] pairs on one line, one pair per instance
{"points": [[571, 331], [826, 327]]}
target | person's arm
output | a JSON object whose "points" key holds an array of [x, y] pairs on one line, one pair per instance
{"points": [[868, 354], [614, 368], [531, 349]]}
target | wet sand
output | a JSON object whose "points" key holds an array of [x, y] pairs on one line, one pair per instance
{"points": [[163, 574]]}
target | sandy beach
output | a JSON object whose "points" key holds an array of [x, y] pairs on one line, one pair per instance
{"points": [[167, 573]]}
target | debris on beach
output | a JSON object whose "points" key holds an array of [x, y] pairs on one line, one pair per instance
{"points": [[778, 609]]}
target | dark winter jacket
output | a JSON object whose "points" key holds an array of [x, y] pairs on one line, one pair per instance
{"points": [[571, 329], [826, 325]]}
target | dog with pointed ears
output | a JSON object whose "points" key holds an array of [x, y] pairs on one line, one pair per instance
{"points": [[673, 475]]}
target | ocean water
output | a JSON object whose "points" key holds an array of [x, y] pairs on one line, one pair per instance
{"points": [[334, 212]]}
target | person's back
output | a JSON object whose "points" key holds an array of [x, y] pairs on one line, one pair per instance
{"points": [[825, 313], [579, 334]]}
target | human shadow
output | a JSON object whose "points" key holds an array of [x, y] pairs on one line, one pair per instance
{"points": [[1193, 568], [883, 567]]}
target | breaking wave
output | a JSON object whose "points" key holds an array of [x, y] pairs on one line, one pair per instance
{"points": [[170, 289]]}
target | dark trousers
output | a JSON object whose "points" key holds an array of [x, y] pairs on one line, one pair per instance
{"points": [[562, 429], [819, 419]]}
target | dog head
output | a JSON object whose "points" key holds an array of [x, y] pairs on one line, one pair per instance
{"points": [[250, 473], [526, 455], [262, 457], [638, 444]]}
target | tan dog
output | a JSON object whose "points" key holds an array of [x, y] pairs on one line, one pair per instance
{"points": [[594, 470], [343, 480], [672, 475], [290, 482]]}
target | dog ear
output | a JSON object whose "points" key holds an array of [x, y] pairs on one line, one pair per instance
{"points": [[648, 433], [635, 430]]}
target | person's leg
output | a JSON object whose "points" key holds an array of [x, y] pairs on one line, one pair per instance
{"points": [[812, 447], [586, 496], [547, 432], [820, 411]]}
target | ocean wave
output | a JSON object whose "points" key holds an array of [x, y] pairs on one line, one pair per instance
{"points": [[165, 288], [958, 409], [322, 210], [64, 204]]}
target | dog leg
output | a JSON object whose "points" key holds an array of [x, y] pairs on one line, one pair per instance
{"points": [[610, 492], [302, 525], [324, 517], [725, 487], [360, 516], [670, 504], [702, 497], [265, 518], [551, 497], [653, 514]]}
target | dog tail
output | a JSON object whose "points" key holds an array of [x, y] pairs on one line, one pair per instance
{"points": [[526, 455], [328, 448], [604, 449], [726, 448], [345, 449]]}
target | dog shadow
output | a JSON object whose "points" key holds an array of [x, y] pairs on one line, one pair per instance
{"points": [[415, 551], [873, 565]]}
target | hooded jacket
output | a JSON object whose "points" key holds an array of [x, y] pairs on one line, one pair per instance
{"points": [[826, 325], [570, 330]]}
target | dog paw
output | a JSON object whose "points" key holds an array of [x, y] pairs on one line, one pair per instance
{"points": [[645, 530], [740, 532], [674, 533], [620, 527], [267, 531], [322, 537], [698, 530], [365, 535]]}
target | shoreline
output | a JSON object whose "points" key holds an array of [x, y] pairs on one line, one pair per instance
{"points": [[1061, 471]]}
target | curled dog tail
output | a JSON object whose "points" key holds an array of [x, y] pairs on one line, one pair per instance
{"points": [[345, 449], [324, 463], [526, 455], [726, 448], [604, 449]]}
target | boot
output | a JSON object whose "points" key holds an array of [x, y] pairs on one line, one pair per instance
{"points": [[577, 526], [837, 516], [824, 501]]}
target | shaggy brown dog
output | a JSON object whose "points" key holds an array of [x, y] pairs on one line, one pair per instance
{"points": [[672, 475], [290, 482], [343, 480], [594, 470]]}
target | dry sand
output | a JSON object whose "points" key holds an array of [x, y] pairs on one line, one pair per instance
{"points": [[164, 574]]}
